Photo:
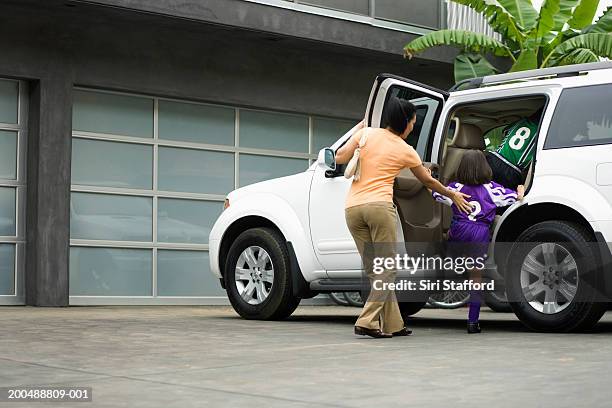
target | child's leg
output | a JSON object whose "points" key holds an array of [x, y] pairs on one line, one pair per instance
{"points": [[475, 298]]}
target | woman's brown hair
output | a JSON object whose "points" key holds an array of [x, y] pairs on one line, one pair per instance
{"points": [[474, 169]]}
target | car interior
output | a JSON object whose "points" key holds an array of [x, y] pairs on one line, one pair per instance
{"points": [[422, 219]]}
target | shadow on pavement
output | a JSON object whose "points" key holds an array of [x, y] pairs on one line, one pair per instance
{"points": [[488, 322]]}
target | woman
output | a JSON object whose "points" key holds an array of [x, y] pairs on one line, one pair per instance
{"points": [[370, 212]]}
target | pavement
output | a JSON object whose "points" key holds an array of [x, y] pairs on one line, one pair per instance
{"points": [[206, 356]]}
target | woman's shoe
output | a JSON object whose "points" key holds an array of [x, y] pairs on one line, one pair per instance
{"points": [[375, 333], [403, 332], [473, 328]]}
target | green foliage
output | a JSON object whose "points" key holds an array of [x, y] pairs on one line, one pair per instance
{"points": [[562, 33], [583, 14], [603, 25], [526, 60], [470, 65], [579, 48], [465, 39]]}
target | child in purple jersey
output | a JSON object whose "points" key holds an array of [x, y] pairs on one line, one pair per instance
{"points": [[473, 177]]}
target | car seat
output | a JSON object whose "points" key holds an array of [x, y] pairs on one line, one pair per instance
{"points": [[466, 137]]}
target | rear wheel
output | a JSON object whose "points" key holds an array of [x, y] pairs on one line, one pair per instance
{"points": [[553, 280], [354, 299], [497, 301], [449, 299], [258, 276]]}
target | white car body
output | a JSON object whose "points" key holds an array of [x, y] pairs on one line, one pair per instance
{"points": [[308, 208]]}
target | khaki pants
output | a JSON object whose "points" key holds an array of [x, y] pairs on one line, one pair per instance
{"points": [[375, 223]]}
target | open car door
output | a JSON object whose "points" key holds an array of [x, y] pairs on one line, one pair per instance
{"points": [[332, 241]]}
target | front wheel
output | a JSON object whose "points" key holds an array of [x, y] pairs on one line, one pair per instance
{"points": [[552, 278], [258, 276]]}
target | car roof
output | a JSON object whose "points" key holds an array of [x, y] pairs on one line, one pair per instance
{"points": [[564, 76]]}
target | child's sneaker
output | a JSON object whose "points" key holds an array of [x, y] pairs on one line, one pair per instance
{"points": [[473, 328]]}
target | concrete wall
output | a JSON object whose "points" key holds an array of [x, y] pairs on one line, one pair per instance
{"points": [[57, 46]]}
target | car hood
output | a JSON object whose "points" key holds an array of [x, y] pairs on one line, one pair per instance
{"points": [[286, 187]]}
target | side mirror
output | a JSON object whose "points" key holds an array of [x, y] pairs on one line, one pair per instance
{"points": [[327, 158]]}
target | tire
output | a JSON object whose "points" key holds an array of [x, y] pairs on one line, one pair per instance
{"points": [[408, 309], [557, 239], [497, 302], [354, 299], [247, 249], [449, 299], [339, 298]]}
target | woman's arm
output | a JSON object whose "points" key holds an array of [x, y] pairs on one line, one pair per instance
{"points": [[459, 199], [344, 154]]}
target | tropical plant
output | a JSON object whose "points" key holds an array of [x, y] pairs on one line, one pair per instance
{"points": [[562, 33]]}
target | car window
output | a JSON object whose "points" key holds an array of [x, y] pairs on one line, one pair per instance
{"points": [[494, 137], [425, 110], [583, 117]]}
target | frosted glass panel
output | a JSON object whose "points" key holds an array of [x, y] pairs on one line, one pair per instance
{"points": [[7, 269], [191, 122], [254, 168], [195, 171], [8, 154], [326, 132], [110, 113], [186, 221], [7, 211], [419, 12], [110, 272], [9, 101], [111, 217], [185, 273], [276, 131], [353, 6], [112, 164]]}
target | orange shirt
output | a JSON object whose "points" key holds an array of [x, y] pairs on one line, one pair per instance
{"points": [[382, 157]]}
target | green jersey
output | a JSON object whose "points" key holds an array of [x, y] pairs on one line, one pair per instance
{"points": [[518, 146]]}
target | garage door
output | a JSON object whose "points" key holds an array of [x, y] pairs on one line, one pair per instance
{"points": [[12, 190], [149, 176]]}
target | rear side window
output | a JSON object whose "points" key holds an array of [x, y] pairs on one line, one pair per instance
{"points": [[583, 118]]}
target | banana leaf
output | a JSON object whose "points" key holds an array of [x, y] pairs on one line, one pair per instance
{"points": [[579, 56], [469, 65], [523, 12], [603, 25], [599, 44], [583, 14], [528, 59], [546, 20], [498, 18], [564, 14], [466, 40]]}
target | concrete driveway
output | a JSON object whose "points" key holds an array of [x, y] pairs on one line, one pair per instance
{"points": [[207, 356]]}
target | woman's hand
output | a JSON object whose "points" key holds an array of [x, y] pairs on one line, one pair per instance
{"points": [[459, 199], [423, 174], [344, 154]]}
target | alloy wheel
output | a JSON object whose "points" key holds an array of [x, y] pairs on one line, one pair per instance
{"points": [[549, 278], [254, 275]]}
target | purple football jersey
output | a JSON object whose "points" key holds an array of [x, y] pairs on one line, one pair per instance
{"points": [[484, 199]]}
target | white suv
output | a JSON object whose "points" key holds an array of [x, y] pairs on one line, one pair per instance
{"points": [[286, 239]]}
